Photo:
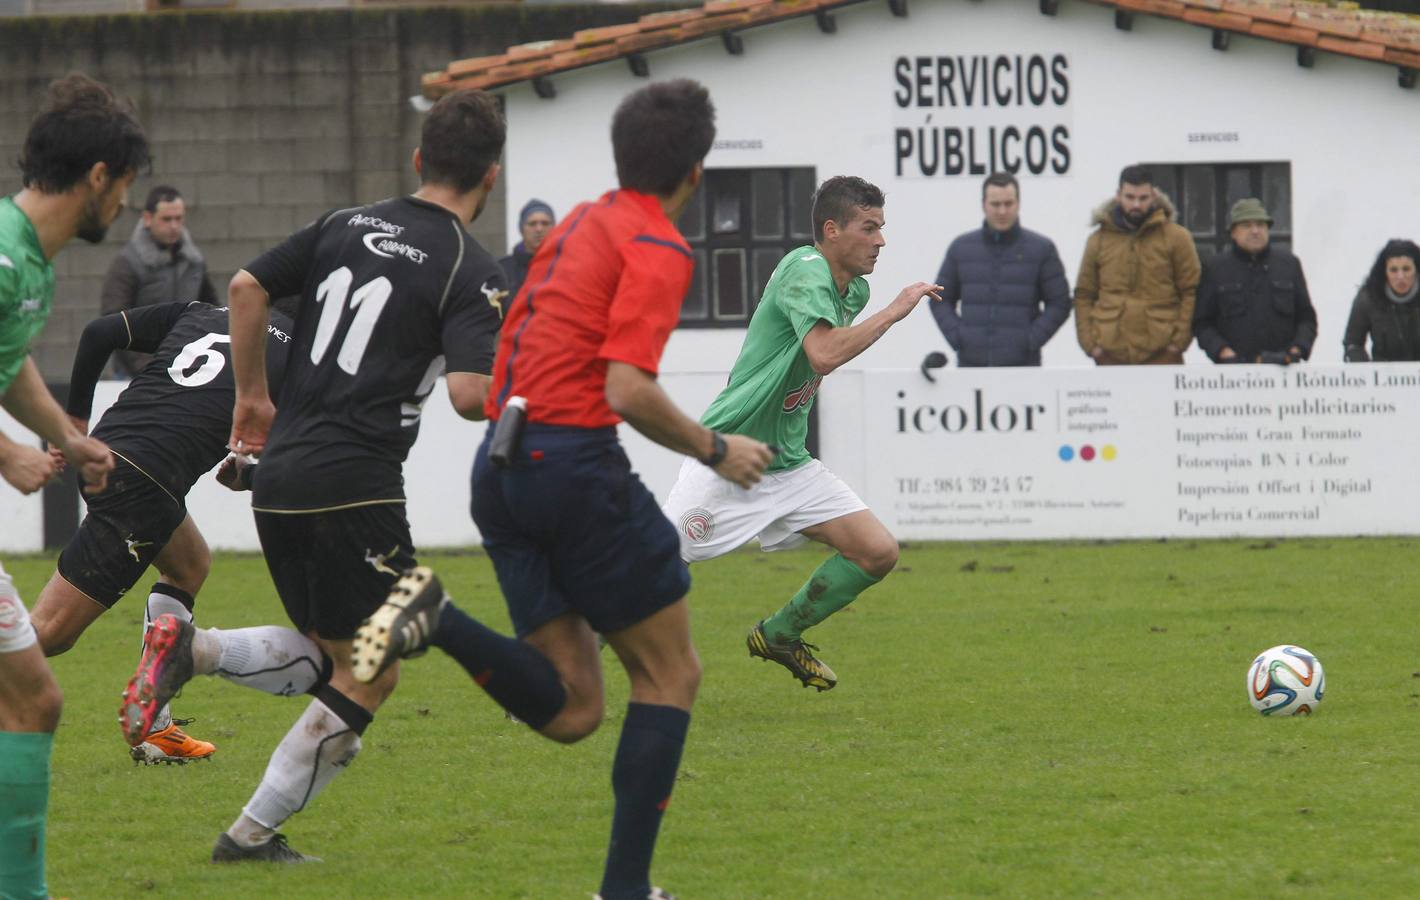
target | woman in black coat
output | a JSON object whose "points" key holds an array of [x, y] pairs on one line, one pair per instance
{"points": [[1387, 308]]}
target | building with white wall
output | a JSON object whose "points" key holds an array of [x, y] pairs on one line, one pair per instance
{"points": [[1302, 108]]}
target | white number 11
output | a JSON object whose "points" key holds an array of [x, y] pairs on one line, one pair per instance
{"points": [[368, 301]]}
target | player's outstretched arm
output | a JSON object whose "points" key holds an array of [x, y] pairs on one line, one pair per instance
{"points": [[247, 319], [635, 396], [31, 403], [828, 348]]}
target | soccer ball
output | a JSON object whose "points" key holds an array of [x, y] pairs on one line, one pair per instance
{"points": [[1285, 680]]}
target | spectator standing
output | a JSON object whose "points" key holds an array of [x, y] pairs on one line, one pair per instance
{"points": [[1138, 280], [535, 220], [1253, 304], [159, 264], [1003, 288], [1385, 308]]}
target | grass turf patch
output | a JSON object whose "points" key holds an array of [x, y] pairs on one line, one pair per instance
{"points": [[1015, 720]]}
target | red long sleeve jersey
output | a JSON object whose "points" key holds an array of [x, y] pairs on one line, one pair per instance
{"points": [[607, 284]]}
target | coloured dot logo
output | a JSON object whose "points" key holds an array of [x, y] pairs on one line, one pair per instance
{"points": [[1088, 453]]}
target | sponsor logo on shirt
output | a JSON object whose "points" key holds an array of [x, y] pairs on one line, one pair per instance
{"points": [[359, 221], [495, 297], [30, 305], [381, 244], [802, 395], [277, 333], [698, 525], [6, 261]]}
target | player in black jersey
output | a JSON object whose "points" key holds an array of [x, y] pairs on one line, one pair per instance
{"points": [[392, 295], [167, 428]]}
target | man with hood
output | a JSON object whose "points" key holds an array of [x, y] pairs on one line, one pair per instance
{"points": [[1138, 280], [159, 264], [535, 220]]}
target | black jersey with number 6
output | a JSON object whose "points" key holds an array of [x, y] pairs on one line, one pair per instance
{"points": [[173, 420], [392, 295]]}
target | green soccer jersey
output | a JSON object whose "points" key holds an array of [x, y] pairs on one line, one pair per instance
{"points": [[772, 385], [26, 289]]}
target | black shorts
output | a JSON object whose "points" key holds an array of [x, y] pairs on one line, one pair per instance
{"points": [[570, 528], [128, 524], [332, 569]]}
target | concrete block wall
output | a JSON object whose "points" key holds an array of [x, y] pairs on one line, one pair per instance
{"points": [[262, 120]]}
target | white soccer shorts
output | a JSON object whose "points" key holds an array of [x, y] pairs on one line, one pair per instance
{"points": [[714, 516], [16, 632]]}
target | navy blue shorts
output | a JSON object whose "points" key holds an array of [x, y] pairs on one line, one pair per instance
{"points": [[570, 528]]}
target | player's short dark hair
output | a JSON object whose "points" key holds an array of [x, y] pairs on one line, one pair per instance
{"points": [[163, 193], [837, 199], [1000, 179], [659, 133], [463, 137], [1135, 175], [82, 122]]}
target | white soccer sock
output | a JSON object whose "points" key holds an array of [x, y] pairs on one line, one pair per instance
{"points": [[160, 604], [316, 748], [268, 658]]}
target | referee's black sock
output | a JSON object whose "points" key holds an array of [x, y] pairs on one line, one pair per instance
{"points": [[642, 777], [513, 673]]}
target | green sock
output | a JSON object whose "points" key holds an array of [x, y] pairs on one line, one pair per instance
{"points": [[832, 586], [24, 801]]}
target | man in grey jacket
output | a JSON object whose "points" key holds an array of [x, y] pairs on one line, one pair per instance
{"points": [[1004, 291], [159, 264]]}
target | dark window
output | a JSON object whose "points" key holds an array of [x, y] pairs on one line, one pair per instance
{"points": [[740, 224], [1203, 193]]}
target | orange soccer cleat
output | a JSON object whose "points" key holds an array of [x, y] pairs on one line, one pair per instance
{"points": [[171, 745]]}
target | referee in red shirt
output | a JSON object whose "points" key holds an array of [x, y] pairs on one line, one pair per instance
{"points": [[579, 544]]}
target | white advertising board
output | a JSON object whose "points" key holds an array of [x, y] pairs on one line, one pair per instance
{"points": [[1143, 452], [1000, 454]]}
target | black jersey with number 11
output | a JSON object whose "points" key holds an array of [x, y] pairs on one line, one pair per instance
{"points": [[392, 295]]}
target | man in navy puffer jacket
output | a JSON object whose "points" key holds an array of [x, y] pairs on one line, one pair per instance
{"points": [[1004, 290]]}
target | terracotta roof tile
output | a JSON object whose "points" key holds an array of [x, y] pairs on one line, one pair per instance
{"points": [[1363, 49], [1287, 34], [1258, 9], [605, 34], [539, 49], [1224, 20], [1403, 58], [1336, 27], [1173, 9]]}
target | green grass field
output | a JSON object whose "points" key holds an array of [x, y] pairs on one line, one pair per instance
{"points": [[1014, 720]]}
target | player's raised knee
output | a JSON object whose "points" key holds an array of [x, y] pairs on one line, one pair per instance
{"points": [[880, 557]]}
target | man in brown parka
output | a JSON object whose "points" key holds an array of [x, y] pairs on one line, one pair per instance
{"points": [[1138, 280]]}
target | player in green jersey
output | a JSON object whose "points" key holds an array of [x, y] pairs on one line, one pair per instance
{"points": [[802, 330], [82, 152]]}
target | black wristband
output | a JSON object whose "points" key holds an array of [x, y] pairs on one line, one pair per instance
{"points": [[717, 452]]}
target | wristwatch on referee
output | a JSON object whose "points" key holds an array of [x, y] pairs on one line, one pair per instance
{"points": [[717, 450]]}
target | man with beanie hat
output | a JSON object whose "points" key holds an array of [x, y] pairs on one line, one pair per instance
{"points": [[534, 222], [1253, 304]]}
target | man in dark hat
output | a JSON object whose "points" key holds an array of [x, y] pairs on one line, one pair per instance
{"points": [[535, 220], [1253, 304]]}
